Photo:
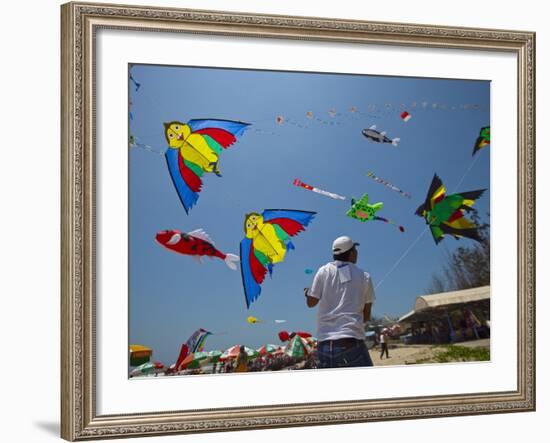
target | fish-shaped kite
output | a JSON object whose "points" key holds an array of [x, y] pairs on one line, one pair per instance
{"points": [[194, 148], [445, 213], [196, 244], [379, 137], [267, 239]]}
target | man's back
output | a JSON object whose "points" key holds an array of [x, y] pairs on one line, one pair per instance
{"points": [[343, 289]]}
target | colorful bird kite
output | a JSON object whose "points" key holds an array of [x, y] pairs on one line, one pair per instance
{"points": [[196, 244], [388, 184], [379, 137], [483, 140], [194, 148], [267, 239], [363, 211], [445, 213]]}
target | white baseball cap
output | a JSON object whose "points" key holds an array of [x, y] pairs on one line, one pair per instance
{"points": [[343, 244]]}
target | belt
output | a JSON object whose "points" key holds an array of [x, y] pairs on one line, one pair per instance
{"points": [[346, 343]]}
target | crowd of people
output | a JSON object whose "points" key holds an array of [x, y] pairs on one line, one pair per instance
{"points": [[268, 362]]}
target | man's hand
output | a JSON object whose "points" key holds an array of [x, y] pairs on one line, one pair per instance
{"points": [[310, 301]]}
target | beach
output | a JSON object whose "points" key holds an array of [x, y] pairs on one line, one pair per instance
{"points": [[415, 354]]}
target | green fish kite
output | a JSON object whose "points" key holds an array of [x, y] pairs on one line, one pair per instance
{"points": [[363, 211]]}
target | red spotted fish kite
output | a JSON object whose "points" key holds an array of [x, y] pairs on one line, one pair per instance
{"points": [[197, 244]]}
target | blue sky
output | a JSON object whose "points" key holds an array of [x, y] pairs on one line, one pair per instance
{"points": [[171, 295]]}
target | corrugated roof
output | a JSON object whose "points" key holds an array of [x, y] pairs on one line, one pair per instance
{"points": [[452, 298]]}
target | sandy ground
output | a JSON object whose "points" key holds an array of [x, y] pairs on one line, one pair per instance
{"points": [[410, 354]]}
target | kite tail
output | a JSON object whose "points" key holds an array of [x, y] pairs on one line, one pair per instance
{"points": [[231, 261], [391, 222], [395, 141]]}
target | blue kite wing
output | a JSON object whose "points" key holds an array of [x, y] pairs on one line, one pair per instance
{"points": [[302, 217], [252, 289], [234, 127], [187, 196]]}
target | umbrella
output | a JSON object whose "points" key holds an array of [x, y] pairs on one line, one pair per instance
{"points": [[233, 352], [215, 355], [194, 360], [268, 349], [297, 347], [147, 368]]}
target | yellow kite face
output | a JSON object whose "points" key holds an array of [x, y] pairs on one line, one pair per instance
{"points": [[176, 133], [252, 223]]}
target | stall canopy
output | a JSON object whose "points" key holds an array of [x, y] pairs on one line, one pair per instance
{"points": [[451, 299], [426, 305], [139, 354]]}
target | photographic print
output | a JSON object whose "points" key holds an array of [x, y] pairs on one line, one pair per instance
{"points": [[312, 212], [286, 220]]}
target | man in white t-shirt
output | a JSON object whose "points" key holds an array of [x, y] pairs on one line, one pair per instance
{"points": [[345, 295]]}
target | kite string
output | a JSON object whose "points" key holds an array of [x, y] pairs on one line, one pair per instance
{"points": [[472, 163], [412, 245], [145, 147]]}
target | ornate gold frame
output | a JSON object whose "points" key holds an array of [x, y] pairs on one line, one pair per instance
{"points": [[80, 21]]}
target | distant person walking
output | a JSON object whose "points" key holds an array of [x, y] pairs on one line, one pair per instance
{"points": [[345, 295], [383, 345]]}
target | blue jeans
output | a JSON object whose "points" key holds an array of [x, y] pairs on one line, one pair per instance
{"points": [[334, 355]]}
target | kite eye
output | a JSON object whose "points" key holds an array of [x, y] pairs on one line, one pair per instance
{"points": [[177, 128], [171, 134]]}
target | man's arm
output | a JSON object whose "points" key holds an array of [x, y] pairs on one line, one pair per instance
{"points": [[366, 312], [310, 301], [368, 299], [314, 294]]}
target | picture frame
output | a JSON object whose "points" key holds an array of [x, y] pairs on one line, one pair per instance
{"points": [[81, 22]]}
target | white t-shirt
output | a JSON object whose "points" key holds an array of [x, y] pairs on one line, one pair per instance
{"points": [[343, 290]]}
